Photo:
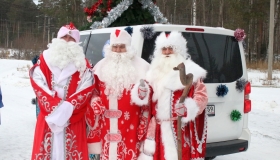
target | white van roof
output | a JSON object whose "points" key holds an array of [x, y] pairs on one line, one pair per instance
{"points": [[170, 27]]}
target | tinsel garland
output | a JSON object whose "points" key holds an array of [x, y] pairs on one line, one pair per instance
{"points": [[117, 11], [113, 14], [154, 10], [240, 84], [235, 115], [222, 90], [147, 32]]}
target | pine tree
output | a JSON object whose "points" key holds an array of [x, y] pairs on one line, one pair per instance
{"points": [[134, 15]]}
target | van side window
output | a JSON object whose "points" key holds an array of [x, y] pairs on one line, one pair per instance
{"points": [[95, 47], [218, 54], [84, 41]]}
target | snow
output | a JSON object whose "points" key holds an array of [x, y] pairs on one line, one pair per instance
{"points": [[19, 119], [35, 1]]}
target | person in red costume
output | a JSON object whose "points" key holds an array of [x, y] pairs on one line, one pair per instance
{"points": [[121, 101], [161, 142], [63, 83]]}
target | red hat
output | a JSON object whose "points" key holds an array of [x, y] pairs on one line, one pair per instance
{"points": [[69, 30]]}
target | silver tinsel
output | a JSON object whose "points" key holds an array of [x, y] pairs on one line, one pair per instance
{"points": [[112, 15], [154, 10], [121, 7]]}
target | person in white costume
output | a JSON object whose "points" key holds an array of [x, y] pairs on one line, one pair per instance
{"points": [[161, 142]]}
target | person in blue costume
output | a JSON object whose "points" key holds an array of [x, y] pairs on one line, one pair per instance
{"points": [[34, 100], [1, 103]]}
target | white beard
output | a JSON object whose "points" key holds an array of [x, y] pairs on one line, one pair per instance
{"points": [[118, 72], [160, 67], [63, 53]]}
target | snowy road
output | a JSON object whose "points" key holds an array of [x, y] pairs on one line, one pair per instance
{"points": [[18, 118]]}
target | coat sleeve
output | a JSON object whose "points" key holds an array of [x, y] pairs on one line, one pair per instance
{"points": [[47, 99], [145, 116], [75, 104], [196, 103], [147, 128], [200, 96], [94, 114]]}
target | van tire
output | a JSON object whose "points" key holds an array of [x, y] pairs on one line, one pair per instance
{"points": [[210, 158]]}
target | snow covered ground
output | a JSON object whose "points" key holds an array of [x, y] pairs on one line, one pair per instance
{"points": [[18, 115]]}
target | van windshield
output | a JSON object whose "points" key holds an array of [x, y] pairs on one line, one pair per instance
{"points": [[218, 54]]}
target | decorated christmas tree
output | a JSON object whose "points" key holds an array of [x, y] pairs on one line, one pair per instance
{"points": [[111, 13]]}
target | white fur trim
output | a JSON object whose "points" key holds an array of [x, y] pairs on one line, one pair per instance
{"points": [[134, 95], [94, 148], [149, 146], [143, 156], [174, 39], [163, 105], [192, 110], [170, 149]]}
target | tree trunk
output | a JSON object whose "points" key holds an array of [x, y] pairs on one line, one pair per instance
{"points": [[203, 12], [44, 30], [18, 29], [220, 21], [250, 33], [276, 26], [7, 29], [175, 3], [194, 13]]}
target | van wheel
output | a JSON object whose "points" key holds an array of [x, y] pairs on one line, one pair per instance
{"points": [[210, 158]]}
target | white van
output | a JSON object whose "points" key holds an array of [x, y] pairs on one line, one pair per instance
{"points": [[217, 51]]}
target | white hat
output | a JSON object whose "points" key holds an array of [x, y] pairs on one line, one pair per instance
{"points": [[120, 37], [69, 30], [174, 40]]}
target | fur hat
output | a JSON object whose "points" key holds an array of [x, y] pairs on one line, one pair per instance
{"points": [[120, 37], [69, 30], [174, 40]]}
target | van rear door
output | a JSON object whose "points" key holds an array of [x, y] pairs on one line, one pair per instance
{"points": [[220, 55]]}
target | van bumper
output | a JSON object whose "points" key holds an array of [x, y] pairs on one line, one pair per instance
{"points": [[226, 147]]}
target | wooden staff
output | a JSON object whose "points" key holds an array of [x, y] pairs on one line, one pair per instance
{"points": [[187, 81]]}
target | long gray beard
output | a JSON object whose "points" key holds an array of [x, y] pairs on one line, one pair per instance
{"points": [[63, 53], [118, 73], [159, 68]]}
